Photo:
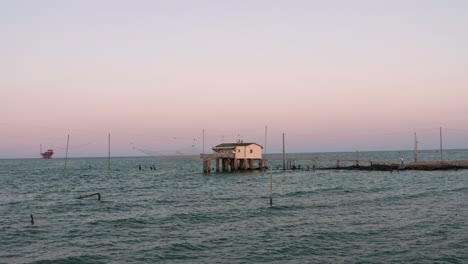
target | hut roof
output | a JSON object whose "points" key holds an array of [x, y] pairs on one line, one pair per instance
{"points": [[234, 145]]}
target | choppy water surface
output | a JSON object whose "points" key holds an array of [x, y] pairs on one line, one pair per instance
{"points": [[177, 214]]}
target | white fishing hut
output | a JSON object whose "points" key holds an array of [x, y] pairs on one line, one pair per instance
{"points": [[234, 156]]}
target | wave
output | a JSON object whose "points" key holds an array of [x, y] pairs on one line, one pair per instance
{"points": [[92, 259]]}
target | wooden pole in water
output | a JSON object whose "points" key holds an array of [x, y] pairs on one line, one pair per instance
{"points": [[66, 151], [441, 157], [284, 161], [415, 148], [108, 161], [203, 141], [266, 133], [271, 188], [84, 196]]}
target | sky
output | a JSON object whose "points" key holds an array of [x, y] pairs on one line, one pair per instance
{"points": [[331, 75]]}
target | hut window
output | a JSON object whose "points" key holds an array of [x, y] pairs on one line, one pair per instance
{"points": [[238, 150], [251, 151]]}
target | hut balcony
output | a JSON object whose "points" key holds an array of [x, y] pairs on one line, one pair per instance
{"points": [[214, 156]]}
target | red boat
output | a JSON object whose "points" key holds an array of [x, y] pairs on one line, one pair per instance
{"points": [[48, 154]]}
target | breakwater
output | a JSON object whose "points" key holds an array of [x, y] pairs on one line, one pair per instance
{"points": [[424, 166]]}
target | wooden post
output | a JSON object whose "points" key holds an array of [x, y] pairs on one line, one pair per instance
{"points": [[338, 164], [251, 164], [84, 196], [441, 157], [313, 164], [271, 188], [266, 133], [284, 161], [226, 164], [108, 162], [66, 152], [415, 148], [207, 166], [217, 165]]}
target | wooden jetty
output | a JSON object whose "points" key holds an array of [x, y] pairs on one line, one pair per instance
{"points": [[241, 156], [376, 165], [230, 163]]}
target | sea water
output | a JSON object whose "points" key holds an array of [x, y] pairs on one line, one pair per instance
{"points": [[176, 214]]}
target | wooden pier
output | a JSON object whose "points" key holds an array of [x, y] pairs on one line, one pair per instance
{"points": [[230, 164], [239, 156], [375, 165]]}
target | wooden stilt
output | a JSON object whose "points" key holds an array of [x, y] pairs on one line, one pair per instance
{"points": [[284, 160]]}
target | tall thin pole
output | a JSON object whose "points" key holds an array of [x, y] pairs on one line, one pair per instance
{"points": [[266, 133], [203, 141], [66, 151], [415, 148], [284, 160], [108, 161], [441, 157], [40, 149], [271, 188]]}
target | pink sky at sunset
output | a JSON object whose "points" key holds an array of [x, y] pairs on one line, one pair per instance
{"points": [[331, 75]]}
